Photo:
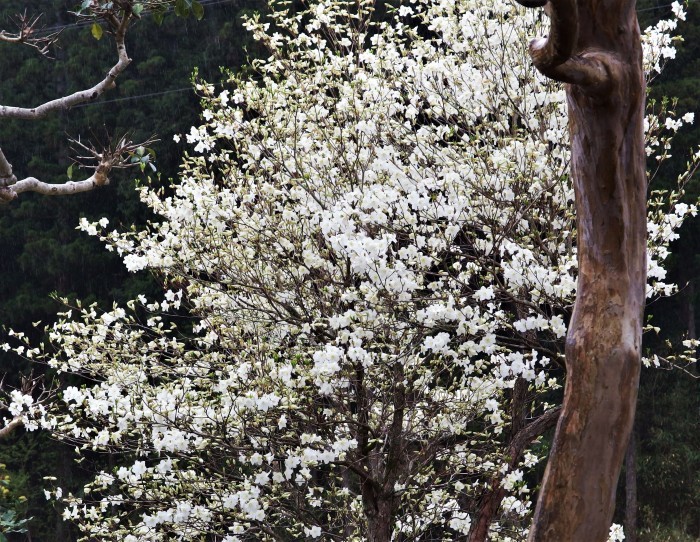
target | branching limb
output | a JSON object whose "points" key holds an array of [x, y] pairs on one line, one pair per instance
{"points": [[28, 386], [27, 34], [119, 26], [118, 156], [6, 176], [556, 56]]}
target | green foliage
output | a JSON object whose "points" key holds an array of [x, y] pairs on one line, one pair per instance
{"points": [[12, 503], [96, 31], [669, 452], [664, 533]]}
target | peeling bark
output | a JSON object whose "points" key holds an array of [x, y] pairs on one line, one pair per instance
{"points": [[595, 47]]}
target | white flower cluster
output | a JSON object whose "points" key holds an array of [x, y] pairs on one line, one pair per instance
{"points": [[375, 248]]}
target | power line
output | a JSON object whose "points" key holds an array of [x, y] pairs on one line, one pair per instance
{"points": [[663, 6], [136, 97]]}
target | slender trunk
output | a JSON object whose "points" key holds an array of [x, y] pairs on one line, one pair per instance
{"points": [[631, 490], [491, 501], [594, 46], [386, 467]]}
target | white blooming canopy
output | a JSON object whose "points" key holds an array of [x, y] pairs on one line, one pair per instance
{"points": [[369, 262]]}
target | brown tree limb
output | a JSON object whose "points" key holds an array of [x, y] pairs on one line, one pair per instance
{"points": [[491, 501], [559, 56]]}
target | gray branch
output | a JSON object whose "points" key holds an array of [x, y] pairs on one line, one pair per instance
{"points": [[13, 424], [82, 96]]}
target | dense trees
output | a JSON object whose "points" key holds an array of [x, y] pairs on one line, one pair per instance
{"points": [[41, 250]]}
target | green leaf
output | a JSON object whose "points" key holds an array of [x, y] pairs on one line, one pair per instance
{"points": [[137, 9], [69, 171], [197, 10], [96, 31], [158, 17], [182, 8]]}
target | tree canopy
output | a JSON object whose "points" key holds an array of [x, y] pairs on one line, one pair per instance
{"points": [[369, 263]]}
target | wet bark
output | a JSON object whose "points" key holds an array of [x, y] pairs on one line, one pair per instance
{"points": [[594, 46]]}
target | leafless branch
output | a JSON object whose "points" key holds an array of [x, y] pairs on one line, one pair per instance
{"points": [[27, 33], [119, 25], [115, 156]]}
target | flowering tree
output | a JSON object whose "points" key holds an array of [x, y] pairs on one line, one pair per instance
{"points": [[370, 263]]}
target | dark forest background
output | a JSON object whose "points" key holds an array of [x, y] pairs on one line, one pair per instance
{"points": [[42, 253]]}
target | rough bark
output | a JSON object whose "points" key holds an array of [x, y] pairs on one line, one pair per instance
{"points": [[594, 46]]}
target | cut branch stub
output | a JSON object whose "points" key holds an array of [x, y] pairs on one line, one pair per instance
{"points": [[560, 56]]}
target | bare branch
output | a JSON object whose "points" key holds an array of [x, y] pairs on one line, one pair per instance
{"points": [[119, 27], [531, 431], [117, 156], [27, 34], [13, 424]]}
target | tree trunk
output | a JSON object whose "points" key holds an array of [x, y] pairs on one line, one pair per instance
{"points": [[594, 46], [380, 520], [631, 490]]}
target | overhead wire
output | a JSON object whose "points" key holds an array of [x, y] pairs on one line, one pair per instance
{"points": [[82, 24]]}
